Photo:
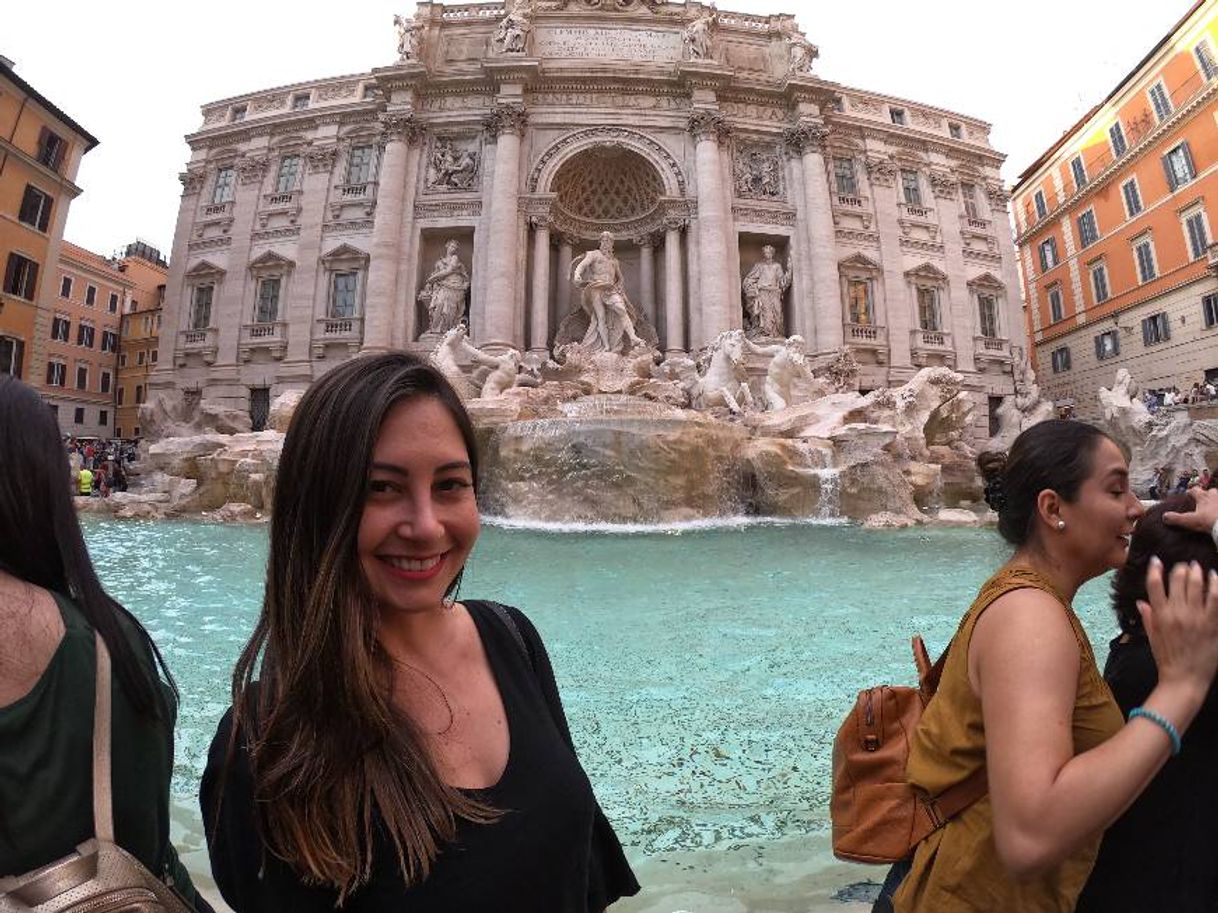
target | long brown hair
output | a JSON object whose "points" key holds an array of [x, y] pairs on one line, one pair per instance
{"points": [[329, 750]]}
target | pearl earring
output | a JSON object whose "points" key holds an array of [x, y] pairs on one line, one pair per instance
{"points": [[1061, 524]]}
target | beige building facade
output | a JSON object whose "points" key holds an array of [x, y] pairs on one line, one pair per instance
{"points": [[313, 215]]}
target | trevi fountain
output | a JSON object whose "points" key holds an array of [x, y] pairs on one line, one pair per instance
{"points": [[716, 318]]}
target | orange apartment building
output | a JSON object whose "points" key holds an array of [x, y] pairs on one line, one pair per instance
{"points": [[139, 333], [40, 153], [81, 374], [1114, 229]]}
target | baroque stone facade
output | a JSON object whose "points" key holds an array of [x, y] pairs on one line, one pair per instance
{"points": [[312, 215]]}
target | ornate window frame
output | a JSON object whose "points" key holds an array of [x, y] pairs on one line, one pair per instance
{"points": [[987, 284], [861, 268], [202, 274], [929, 276], [270, 265], [344, 259]]}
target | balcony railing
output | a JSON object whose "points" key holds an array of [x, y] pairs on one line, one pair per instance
{"points": [[337, 331], [357, 192], [918, 212], [216, 210], [867, 335], [930, 340], [280, 200], [198, 342], [991, 348], [976, 224], [272, 336], [851, 201]]}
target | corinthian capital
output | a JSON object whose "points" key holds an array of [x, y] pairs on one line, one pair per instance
{"points": [[806, 137], [192, 181], [706, 123], [402, 127], [506, 119]]}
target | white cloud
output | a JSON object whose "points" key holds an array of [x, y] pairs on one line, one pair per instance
{"points": [[136, 75]]}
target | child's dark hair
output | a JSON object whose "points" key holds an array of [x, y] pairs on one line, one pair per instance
{"points": [[1171, 543], [1057, 455]]}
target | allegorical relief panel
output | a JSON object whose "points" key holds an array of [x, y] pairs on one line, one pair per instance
{"points": [[453, 163], [758, 172]]}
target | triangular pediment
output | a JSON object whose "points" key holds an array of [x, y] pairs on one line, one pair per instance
{"points": [[860, 262], [204, 269], [986, 280], [927, 272], [345, 252], [271, 260]]}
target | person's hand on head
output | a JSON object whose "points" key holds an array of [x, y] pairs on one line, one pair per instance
{"points": [[1202, 519]]}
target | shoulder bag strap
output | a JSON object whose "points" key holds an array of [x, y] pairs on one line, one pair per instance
{"points": [[103, 818], [510, 623]]}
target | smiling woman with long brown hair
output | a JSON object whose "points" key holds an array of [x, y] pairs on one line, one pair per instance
{"points": [[388, 746]]}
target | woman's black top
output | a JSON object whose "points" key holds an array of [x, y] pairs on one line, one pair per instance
{"points": [[1162, 854], [551, 850]]}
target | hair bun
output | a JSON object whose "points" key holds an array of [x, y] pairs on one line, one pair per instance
{"points": [[994, 495], [993, 464]]}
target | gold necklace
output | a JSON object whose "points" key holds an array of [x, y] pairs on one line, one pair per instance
{"points": [[452, 718]]}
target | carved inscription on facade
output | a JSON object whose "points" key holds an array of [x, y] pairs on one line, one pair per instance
{"points": [[616, 44]]}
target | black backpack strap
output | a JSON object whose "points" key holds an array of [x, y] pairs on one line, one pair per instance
{"points": [[510, 623]]}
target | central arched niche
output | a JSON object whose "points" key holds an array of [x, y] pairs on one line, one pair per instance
{"points": [[607, 188]]}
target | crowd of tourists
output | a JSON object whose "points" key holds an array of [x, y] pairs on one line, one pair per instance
{"points": [[98, 468], [1201, 392], [390, 746]]}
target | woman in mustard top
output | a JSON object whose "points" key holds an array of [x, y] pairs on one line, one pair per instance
{"points": [[1021, 695]]}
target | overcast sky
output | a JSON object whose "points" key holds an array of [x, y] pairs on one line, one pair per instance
{"points": [[135, 75]]}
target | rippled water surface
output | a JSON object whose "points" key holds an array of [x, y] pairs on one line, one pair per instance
{"points": [[704, 671]]}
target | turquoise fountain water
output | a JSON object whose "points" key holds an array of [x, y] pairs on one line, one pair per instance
{"points": [[704, 671]]}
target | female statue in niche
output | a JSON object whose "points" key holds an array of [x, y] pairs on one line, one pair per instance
{"points": [[764, 287], [444, 291]]}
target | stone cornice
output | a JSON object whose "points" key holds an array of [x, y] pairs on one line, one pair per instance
{"points": [[896, 135], [1117, 166], [517, 69], [51, 177]]}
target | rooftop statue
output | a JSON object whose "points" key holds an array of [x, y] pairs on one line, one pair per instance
{"points": [[513, 33], [410, 37], [699, 35], [444, 291], [764, 287], [801, 52]]}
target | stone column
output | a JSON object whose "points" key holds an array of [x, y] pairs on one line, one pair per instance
{"points": [[506, 123], [396, 130], [716, 302], [539, 310], [810, 137], [674, 310], [647, 277]]}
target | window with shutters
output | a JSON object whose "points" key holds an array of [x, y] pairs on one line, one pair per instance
{"points": [[844, 177], [1144, 256], [21, 277], [1048, 254], [35, 208], [139, 393], [112, 307], [109, 341], [359, 165], [106, 380], [968, 196], [1060, 358], [82, 377], [200, 307], [289, 170], [51, 149], [12, 352], [1099, 282], [57, 373], [1155, 329], [1196, 232], [139, 358], [1116, 138], [267, 308], [1205, 60], [1107, 345], [1178, 164], [224, 189], [90, 295], [65, 287], [61, 328], [1132, 196], [1057, 310], [122, 395], [1160, 100], [1088, 231], [1042, 208], [1079, 171], [84, 335], [1209, 309]]}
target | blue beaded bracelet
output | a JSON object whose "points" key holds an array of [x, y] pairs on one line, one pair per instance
{"points": [[1162, 722]]}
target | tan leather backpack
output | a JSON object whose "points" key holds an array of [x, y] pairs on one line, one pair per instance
{"points": [[877, 816], [99, 876]]}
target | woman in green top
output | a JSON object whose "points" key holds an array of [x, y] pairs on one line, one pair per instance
{"points": [[51, 603]]}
